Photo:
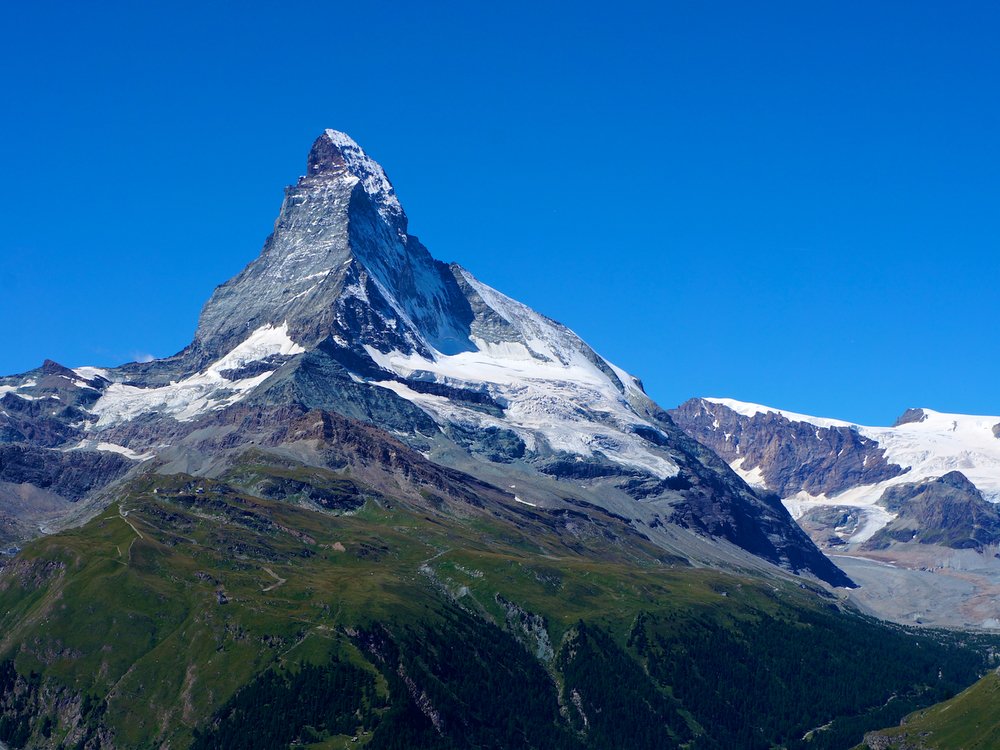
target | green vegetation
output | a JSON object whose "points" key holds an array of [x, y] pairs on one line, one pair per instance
{"points": [[196, 613], [777, 675], [307, 704], [615, 703], [969, 721]]}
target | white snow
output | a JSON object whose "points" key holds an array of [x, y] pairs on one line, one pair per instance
{"points": [[77, 382], [748, 410], [29, 383], [943, 443], [754, 477], [554, 393], [939, 444], [204, 391], [111, 448], [874, 517], [266, 341], [89, 373], [370, 172]]}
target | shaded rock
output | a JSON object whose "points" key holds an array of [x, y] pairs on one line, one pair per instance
{"points": [[792, 456], [909, 416], [948, 511]]}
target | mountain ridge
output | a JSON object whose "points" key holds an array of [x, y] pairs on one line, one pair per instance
{"points": [[910, 511], [344, 311]]}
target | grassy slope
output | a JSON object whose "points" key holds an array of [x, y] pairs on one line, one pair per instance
{"points": [[969, 721], [140, 619], [173, 598]]}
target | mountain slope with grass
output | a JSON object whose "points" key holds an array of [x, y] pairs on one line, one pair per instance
{"points": [[194, 612], [966, 722]]}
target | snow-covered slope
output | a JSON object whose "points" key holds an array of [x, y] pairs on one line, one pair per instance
{"points": [[559, 396], [219, 385], [758, 440], [930, 444]]}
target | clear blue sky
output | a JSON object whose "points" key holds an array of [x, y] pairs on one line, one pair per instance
{"points": [[796, 203]]}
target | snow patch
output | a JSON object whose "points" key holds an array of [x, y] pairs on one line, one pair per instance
{"points": [[266, 341], [369, 172], [554, 392], [754, 477], [90, 373], [750, 410], [205, 391], [93, 445], [873, 517]]}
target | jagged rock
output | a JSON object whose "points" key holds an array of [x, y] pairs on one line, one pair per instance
{"points": [[820, 466], [792, 456], [948, 511], [910, 416]]}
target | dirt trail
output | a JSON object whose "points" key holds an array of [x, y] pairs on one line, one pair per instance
{"points": [[124, 516], [276, 577]]}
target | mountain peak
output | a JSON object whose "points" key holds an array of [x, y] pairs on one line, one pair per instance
{"points": [[335, 154], [910, 416]]}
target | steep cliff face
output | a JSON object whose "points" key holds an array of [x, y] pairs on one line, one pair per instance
{"points": [[946, 510], [787, 455], [338, 263]]}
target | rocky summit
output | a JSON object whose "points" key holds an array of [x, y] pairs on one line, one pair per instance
{"points": [[344, 312]]}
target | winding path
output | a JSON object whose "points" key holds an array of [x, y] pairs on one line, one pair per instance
{"points": [[276, 577], [124, 517]]}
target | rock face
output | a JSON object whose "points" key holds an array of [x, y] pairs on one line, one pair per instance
{"points": [[69, 474], [790, 456], [345, 313], [47, 461], [948, 511], [340, 262], [926, 479], [910, 416]]}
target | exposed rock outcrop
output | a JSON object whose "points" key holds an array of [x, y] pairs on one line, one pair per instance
{"points": [[948, 511], [792, 456]]}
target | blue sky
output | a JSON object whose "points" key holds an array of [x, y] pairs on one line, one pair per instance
{"points": [[785, 202]]}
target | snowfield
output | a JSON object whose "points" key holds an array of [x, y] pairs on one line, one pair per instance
{"points": [[553, 390], [937, 444], [204, 391]]}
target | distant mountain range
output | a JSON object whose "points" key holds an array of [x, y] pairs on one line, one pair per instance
{"points": [[861, 480], [919, 498]]}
